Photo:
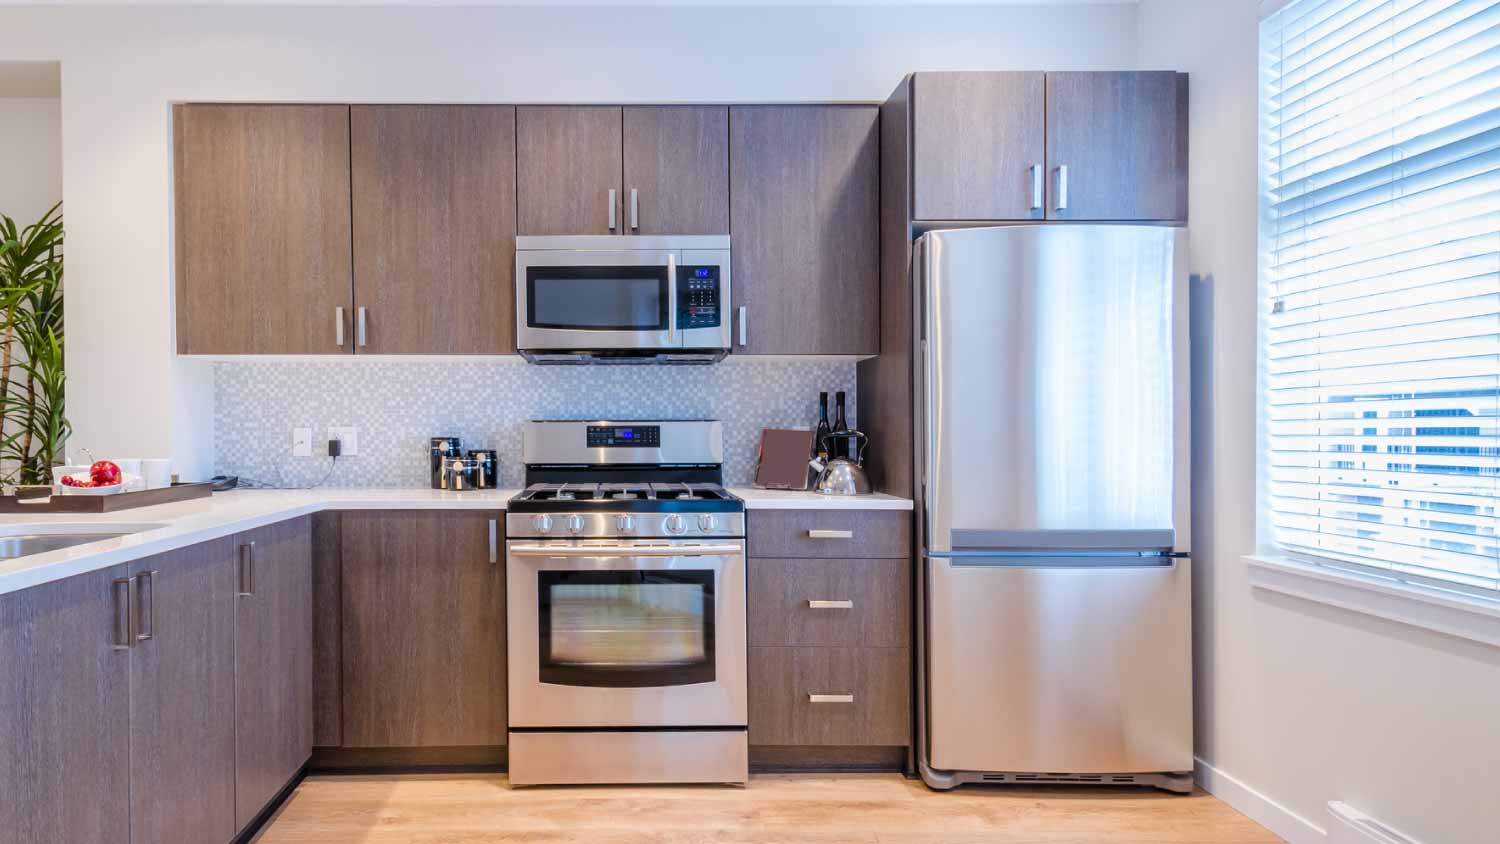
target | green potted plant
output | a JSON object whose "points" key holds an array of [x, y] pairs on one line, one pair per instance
{"points": [[33, 424]]}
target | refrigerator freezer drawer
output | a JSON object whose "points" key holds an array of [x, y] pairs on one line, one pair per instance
{"points": [[1071, 669]]}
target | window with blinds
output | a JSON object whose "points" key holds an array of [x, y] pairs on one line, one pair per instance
{"points": [[1380, 260]]}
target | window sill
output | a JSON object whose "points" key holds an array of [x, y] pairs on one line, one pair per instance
{"points": [[1453, 614]]}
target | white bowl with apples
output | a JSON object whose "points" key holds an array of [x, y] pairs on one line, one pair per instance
{"points": [[101, 478]]}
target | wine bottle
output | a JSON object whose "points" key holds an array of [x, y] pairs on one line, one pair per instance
{"points": [[820, 436], [840, 426]]}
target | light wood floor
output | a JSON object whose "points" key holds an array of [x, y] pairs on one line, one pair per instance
{"points": [[773, 809]]}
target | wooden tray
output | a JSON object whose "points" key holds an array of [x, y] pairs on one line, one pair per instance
{"points": [[109, 503]]}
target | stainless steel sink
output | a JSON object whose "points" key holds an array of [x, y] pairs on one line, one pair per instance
{"points": [[25, 540]]}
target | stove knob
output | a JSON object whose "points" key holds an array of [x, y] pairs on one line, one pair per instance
{"points": [[706, 523], [624, 524], [575, 524], [543, 524], [675, 524]]}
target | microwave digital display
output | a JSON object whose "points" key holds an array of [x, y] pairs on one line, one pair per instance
{"points": [[698, 302]]}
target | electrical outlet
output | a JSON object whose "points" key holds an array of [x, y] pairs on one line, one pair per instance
{"points": [[348, 436], [302, 442]]}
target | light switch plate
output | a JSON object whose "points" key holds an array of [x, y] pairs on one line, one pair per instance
{"points": [[348, 436], [302, 442]]}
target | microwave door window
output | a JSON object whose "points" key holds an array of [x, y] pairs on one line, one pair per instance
{"points": [[626, 628], [597, 298]]}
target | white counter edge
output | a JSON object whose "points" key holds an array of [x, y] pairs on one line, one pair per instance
{"points": [[189, 523]]}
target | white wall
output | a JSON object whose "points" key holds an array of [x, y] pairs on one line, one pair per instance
{"points": [[123, 68], [31, 151], [1302, 702]]}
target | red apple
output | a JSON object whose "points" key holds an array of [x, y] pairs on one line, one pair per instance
{"points": [[104, 473]]}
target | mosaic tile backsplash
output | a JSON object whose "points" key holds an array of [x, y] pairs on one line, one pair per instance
{"points": [[398, 405]]}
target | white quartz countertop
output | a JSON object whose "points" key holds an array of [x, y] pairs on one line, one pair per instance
{"points": [[165, 527]]}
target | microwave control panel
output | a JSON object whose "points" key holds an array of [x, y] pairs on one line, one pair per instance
{"points": [[698, 304]]}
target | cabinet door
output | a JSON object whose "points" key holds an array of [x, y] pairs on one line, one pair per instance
{"points": [[182, 697], [434, 228], [273, 662], [830, 696], [978, 145], [676, 170], [64, 755], [424, 629], [804, 213], [1123, 139], [263, 233], [568, 159]]}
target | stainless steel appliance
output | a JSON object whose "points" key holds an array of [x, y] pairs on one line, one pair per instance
{"points": [[1055, 597], [626, 599], [622, 299]]}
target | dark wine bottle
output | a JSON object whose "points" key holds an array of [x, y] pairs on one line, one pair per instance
{"points": [[840, 426], [820, 436]]}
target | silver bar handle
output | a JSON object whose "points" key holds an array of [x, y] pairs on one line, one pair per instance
{"points": [[635, 209], [819, 533], [124, 594], [247, 569], [830, 605], [744, 319], [359, 325], [338, 326], [671, 297], [830, 698], [623, 550], [611, 209], [1037, 199], [494, 542], [147, 596], [1062, 187]]}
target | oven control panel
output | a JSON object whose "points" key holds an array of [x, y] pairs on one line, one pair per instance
{"points": [[698, 304], [624, 436]]}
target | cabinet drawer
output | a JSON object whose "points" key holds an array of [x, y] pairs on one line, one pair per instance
{"points": [[830, 602], [829, 696], [864, 534]]}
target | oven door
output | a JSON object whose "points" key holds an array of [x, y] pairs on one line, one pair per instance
{"points": [[577, 299], [626, 634]]}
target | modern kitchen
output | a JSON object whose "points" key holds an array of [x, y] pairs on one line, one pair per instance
{"points": [[1044, 421]]}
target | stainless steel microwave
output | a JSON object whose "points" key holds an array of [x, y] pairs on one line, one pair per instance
{"points": [[622, 298]]}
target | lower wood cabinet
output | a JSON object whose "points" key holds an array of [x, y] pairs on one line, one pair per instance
{"points": [[273, 661], [829, 602], [829, 696], [182, 696], [423, 618], [64, 701]]}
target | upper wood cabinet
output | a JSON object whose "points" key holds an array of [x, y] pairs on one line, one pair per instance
{"points": [[1082, 146], [676, 170], [1121, 140], [273, 700], [423, 628], [434, 197], [978, 145], [804, 215], [64, 703], [623, 170], [263, 231], [569, 167]]}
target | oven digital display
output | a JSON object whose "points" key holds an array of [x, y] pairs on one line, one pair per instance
{"points": [[622, 436]]}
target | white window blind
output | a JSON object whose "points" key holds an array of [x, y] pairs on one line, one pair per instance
{"points": [[1380, 259]]}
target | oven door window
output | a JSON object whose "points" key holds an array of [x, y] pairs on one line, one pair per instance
{"points": [[597, 298], [626, 628]]}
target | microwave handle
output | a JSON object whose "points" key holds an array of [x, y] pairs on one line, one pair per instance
{"points": [[672, 298]]}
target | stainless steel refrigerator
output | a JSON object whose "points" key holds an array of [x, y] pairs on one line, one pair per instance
{"points": [[1055, 615]]}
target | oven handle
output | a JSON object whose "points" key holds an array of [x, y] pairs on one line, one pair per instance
{"points": [[624, 550]]}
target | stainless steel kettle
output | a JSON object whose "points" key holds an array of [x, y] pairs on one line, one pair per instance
{"points": [[845, 475]]}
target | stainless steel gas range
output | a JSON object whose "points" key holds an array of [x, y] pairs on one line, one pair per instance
{"points": [[626, 597]]}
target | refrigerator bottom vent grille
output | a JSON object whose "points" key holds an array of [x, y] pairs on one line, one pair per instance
{"points": [[1105, 779]]}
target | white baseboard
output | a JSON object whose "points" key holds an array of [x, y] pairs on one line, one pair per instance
{"points": [[1258, 807]]}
